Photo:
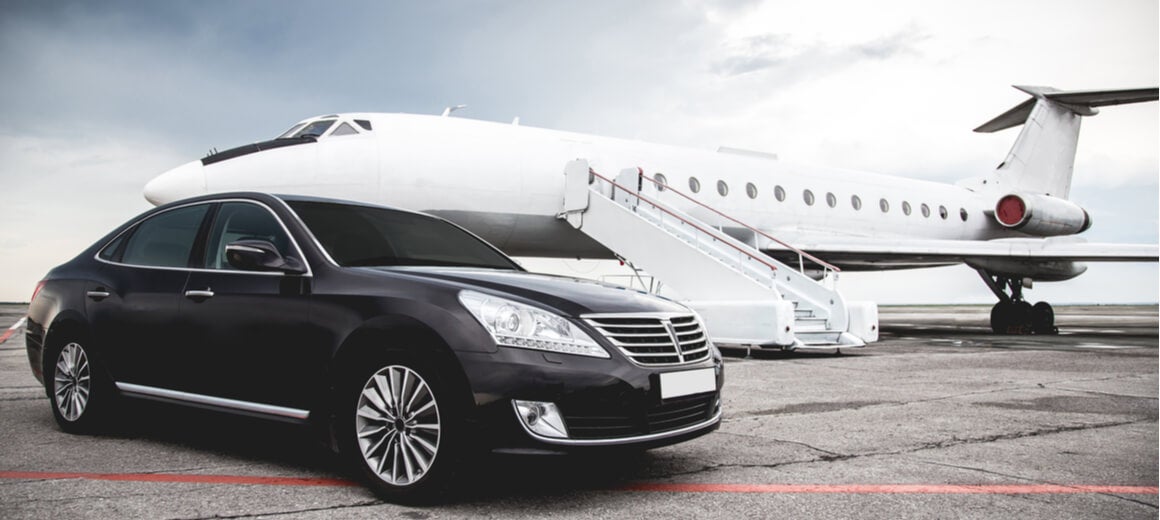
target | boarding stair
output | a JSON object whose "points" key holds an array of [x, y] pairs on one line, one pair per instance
{"points": [[745, 297]]}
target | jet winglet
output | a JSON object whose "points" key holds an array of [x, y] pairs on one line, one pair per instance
{"points": [[1079, 101]]}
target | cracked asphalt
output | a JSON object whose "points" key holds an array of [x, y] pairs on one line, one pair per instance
{"points": [[882, 432]]}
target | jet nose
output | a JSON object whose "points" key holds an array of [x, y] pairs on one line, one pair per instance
{"points": [[183, 181]]}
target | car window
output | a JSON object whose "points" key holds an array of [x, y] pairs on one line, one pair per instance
{"points": [[165, 240], [242, 221], [367, 236]]}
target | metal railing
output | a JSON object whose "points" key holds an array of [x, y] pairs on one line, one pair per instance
{"points": [[827, 268], [764, 270]]}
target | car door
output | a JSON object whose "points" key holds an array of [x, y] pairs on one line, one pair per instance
{"points": [[247, 334], [132, 300]]}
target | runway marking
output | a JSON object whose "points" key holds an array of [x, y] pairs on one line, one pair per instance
{"points": [[897, 489], [180, 478], [847, 489], [12, 330]]}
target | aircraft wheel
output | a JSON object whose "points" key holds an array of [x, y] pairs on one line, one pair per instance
{"points": [[999, 317], [1020, 318], [1043, 319]]}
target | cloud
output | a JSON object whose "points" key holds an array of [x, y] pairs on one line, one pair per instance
{"points": [[780, 54], [101, 96]]}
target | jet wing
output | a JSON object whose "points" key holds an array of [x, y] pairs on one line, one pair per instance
{"points": [[859, 253]]}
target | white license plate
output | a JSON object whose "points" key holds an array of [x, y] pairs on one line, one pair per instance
{"points": [[689, 382]]}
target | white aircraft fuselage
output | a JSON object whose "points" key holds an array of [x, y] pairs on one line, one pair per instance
{"points": [[505, 182]]}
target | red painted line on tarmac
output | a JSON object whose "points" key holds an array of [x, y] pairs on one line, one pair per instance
{"points": [[904, 489], [11, 330], [180, 478], [849, 489]]}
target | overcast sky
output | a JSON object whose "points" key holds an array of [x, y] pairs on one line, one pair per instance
{"points": [[99, 97]]}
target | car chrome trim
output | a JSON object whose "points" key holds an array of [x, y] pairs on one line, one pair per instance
{"points": [[302, 256], [217, 402], [620, 440], [309, 232], [246, 249], [668, 336], [199, 294]]}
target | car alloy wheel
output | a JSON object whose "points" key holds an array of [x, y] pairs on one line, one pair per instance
{"points": [[72, 382], [398, 425]]}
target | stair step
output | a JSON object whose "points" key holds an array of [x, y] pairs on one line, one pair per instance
{"points": [[810, 323], [706, 264], [823, 337]]}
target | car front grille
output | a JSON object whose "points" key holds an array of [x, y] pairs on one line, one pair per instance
{"points": [[655, 340], [669, 415]]}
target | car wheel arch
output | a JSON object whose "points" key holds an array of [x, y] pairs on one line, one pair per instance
{"points": [[66, 326], [397, 334]]}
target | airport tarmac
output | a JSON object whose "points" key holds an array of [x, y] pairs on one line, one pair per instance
{"points": [[939, 419]]}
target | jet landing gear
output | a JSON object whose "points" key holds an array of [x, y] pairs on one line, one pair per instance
{"points": [[1013, 314]]}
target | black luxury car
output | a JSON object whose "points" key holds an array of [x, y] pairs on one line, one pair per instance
{"points": [[404, 339]]}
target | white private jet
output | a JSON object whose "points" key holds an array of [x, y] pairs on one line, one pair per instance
{"points": [[681, 214]]}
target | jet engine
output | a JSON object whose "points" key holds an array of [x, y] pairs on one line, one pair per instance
{"points": [[1041, 215]]}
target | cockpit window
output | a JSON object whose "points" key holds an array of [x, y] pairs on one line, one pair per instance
{"points": [[290, 133], [310, 129], [366, 125], [344, 129]]}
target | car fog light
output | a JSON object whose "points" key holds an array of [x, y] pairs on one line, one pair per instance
{"points": [[541, 418]]}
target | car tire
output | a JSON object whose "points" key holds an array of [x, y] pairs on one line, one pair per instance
{"points": [[410, 457], [79, 391]]}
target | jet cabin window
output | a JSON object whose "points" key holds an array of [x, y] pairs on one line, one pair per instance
{"points": [[779, 193], [808, 196], [694, 184], [751, 190], [722, 188], [661, 181], [856, 201], [925, 210]]}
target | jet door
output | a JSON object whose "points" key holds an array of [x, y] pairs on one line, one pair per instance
{"points": [[248, 332], [348, 159]]}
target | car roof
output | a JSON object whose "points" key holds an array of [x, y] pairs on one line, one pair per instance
{"points": [[271, 197]]}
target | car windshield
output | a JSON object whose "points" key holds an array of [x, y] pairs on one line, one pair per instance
{"points": [[367, 236]]}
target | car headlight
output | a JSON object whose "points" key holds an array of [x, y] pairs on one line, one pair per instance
{"points": [[514, 324]]}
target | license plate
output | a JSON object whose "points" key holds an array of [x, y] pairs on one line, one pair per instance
{"points": [[689, 382]]}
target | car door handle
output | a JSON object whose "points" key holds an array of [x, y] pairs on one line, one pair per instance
{"points": [[98, 294], [199, 295]]}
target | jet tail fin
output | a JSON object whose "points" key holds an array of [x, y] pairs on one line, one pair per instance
{"points": [[1081, 102], [1043, 156]]}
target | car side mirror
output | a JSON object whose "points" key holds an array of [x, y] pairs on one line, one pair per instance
{"points": [[260, 255]]}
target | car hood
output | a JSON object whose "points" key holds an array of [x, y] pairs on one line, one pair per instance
{"points": [[571, 296]]}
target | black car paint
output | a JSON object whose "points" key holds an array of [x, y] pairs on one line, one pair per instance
{"points": [[280, 339]]}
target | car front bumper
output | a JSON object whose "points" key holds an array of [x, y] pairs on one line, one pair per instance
{"points": [[603, 402]]}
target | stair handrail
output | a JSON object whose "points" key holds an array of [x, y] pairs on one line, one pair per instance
{"points": [[712, 233], [664, 186]]}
